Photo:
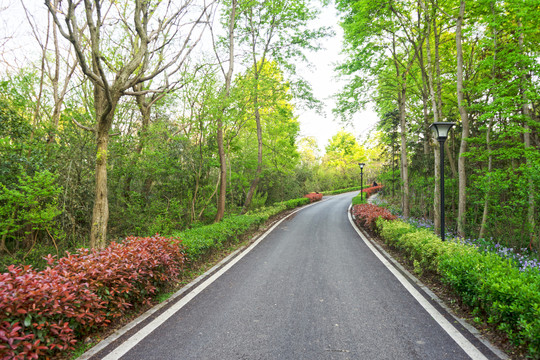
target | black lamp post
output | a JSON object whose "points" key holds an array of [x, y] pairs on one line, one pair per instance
{"points": [[440, 130], [361, 180]]}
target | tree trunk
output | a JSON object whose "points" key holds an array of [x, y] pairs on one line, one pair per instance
{"points": [[404, 162], [255, 181], [462, 189], [435, 109], [100, 214], [221, 148], [527, 140], [145, 108], [483, 224]]}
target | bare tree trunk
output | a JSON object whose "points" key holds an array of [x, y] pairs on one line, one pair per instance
{"points": [[437, 40], [255, 181], [221, 148], [145, 108], [436, 117], [527, 140], [485, 213], [462, 189], [483, 224], [100, 214], [404, 161]]}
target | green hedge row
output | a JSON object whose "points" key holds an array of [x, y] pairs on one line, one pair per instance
{"points": [[199, 241], [505, 296], [357, 200]]}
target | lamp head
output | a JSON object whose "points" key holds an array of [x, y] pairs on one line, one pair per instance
{"points": [[361, 165], [441, 129]]}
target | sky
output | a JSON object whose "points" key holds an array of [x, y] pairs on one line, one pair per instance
{"points": [[325, 84], [322, 77]]}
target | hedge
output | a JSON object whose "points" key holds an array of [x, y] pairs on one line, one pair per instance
{"points": [[45, 312], [314, 196], [366, 215], [492, 286]]}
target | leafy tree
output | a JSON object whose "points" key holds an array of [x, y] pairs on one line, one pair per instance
{"points": [[117, 61]]}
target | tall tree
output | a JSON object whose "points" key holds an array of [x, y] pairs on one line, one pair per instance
{"points": [[275, 30], [227, 74], [117, 58]]}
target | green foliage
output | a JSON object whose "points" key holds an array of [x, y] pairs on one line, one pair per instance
{"points": [[358, 199], [491, 285], [30, 205], [293, 203], [200, 241]]}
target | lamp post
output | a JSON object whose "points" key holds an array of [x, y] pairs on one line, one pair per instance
{"points": [[361, 180], [440, 130]]}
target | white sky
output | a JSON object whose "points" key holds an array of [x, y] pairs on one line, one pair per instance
{"points": [[325, 84], [322, 77]]}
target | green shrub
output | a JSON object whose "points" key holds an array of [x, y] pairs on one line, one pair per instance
{"points": [[357, 200], [491, 285], [293, 203], [199, 241]]}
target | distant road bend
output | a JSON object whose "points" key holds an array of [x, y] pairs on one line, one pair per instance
{"points": [[310, 289]]}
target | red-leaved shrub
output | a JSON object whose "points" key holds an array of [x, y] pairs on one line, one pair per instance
{"points": [[47, 311], [366, 215], [372, 190], [315, 196], [125, 274], [41, 311]]}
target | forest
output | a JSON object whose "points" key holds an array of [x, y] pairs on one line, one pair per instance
{"points": [[472, 63], [144, 117]]}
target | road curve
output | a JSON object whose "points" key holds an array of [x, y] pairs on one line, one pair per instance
{"points": [[310, 290]]}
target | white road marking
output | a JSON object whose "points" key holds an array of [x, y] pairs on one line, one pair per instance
{"points": [[148, 329], [465, 344]]}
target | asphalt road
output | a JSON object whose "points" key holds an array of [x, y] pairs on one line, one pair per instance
{"points": [[310, 290]]}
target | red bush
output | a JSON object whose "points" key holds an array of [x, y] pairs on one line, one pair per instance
{"points": [[49, 310], [366, 215], [41, 311], [128, 273], [315, 196], [372, 190]]}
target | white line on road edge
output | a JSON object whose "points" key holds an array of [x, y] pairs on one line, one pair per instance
{"points": [[145, 331], [465, 344]]}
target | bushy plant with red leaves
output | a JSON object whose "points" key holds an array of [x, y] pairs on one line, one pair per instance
{"points": [[43, 311], [47, 311], [15, 344], [125, 274], [366, 215], [372, 190], [315, 196]]}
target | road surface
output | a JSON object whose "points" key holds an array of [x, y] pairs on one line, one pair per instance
{"points": [[311, 289]]}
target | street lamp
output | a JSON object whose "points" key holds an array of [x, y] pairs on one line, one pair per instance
{"points": [[440, 130], [361, 180]]}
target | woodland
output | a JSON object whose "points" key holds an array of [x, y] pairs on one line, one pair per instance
{"points": [[144, 117]]}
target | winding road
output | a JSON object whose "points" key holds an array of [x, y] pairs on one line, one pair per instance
{"points": [[311, 288]]}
